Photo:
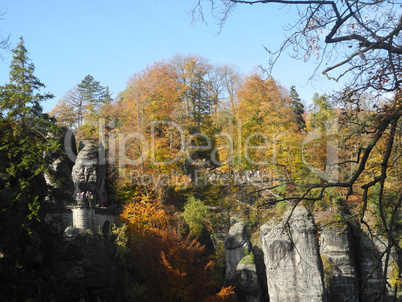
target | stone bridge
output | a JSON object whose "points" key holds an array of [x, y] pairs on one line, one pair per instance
{"points": [[83, 216], [94, 218]]}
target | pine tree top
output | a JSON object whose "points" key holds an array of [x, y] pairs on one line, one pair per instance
{"points": [[21, 96]]}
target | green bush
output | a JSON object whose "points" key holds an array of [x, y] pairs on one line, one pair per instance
{"points": [[248, 259], [195, 213], [281, 207]]}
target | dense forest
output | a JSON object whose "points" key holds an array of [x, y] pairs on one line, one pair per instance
{"points": [[190, 145]]}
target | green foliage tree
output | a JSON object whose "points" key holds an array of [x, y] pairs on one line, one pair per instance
{"points": [[107, 96], [93, 96], [321, 112], [25, 139], [195, 212], [198, 90]]}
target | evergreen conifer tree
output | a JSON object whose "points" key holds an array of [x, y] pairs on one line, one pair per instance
{"points": [[24, 141], [92, 92], [298, 108], [107, 97]]}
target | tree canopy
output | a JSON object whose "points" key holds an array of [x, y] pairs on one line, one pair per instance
{"points": [[79, 106]]}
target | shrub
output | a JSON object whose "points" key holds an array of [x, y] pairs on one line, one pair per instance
{"points": [[248, 259], [195, 212]]}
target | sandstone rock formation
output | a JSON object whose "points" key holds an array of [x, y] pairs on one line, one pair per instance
{"points": [[246, 282], [89, 171], [337, 253], [241, 270], [62, 165], [291, 256], [236, 242], [371, 263], [260, 266], [354, 265]]}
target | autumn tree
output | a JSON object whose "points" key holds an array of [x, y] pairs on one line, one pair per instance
{"points": [[317, 146], [170, 103], [170, 265], [268, 124], [81, 103], [150, 107], [65, 114], [69, 110], [320, 117], [231, 79], [225, 120], [199, 95]]}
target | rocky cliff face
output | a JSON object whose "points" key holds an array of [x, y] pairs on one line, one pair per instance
{"points": [[87, 266], [241, 270], [80, 171], [236, 242], [371, 264], [293, 266], [88, 269], [246, 280], [62, 165], [341, 263], [354, 265], [89, 171], [341, 279]]}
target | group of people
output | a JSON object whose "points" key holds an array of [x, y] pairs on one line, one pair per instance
{"points": [[87, 195], [239, 175], [90, 197], [253, 173]]}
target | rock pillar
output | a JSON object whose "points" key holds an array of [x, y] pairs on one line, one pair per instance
{"points": [[89, 171], [291, 256]]}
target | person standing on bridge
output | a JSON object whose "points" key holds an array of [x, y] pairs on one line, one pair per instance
{"points": [[91, 198]]}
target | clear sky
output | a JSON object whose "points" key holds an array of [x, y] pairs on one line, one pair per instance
{"points": [[111, 40]]}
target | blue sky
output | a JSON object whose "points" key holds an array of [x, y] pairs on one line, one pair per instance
{"points": [[111, 41]]}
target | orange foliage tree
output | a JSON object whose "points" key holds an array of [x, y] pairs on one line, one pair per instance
{"points": [[171, 265]]}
